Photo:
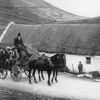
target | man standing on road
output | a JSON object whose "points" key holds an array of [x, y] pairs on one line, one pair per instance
{"points": [[80, 68]]}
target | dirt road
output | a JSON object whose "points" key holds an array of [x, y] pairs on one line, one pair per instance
{"points": [[67, 87]]}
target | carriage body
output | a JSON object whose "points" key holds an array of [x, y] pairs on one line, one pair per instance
{"points": [[15, 65], [21, 64]]}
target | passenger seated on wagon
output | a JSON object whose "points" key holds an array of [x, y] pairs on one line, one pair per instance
{"points": [[18, 42], [14, 54], [80, 67]]}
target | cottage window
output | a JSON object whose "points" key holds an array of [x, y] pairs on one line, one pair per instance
{"points": [[88, 60]]}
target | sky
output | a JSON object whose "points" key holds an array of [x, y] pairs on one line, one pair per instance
{"points": [[85, 8]]}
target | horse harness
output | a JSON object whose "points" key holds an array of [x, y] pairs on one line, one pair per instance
{"points": [[47, 58]]}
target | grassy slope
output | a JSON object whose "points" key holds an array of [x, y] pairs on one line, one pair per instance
{"points": [[95, 20], [69, 38], [34, 12], [53, 12], [31, 12], [19, 15]]}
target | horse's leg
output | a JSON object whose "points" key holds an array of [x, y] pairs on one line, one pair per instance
{"points": [[39, 75], [56, 76], [34, 70], [53, 76], [42, 75], [49, 73], [30, 70]]}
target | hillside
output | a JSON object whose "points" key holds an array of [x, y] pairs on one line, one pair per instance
{"points": [[95, 20], [32, 12], [38, 12], [68, 38], [10, 12]]}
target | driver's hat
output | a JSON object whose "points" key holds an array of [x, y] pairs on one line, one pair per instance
{"points": [[19, 34]]}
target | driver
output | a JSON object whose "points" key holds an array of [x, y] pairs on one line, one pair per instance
{"points": [[18, 42]]}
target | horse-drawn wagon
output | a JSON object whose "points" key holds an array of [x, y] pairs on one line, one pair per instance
{"points": [[16, 66], [9, 61]]}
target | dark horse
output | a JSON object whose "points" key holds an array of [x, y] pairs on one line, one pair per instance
{"points": [[57, 60], [61, 66]]}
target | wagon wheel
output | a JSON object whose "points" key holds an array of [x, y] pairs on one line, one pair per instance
{"points": [[26, 71], [16, 73], [22, 69], [3, 73]]}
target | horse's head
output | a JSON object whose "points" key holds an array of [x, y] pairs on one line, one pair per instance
{"points": [[59, 60], [62, 59]]}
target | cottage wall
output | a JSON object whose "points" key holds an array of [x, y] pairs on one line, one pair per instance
{"points": [[72, 62]]}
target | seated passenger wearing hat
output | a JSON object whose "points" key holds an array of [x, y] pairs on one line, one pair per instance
{"points": [[18, 42]]}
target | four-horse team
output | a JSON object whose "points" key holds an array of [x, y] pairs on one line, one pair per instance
{"points": [[18, 57]]}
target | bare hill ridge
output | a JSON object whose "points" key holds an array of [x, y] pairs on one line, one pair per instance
{"points": [[68, 38], [38, 12], [32, 12]]}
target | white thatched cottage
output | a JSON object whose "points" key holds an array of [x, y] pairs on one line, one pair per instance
{"points": [[54, 34], [90, 63]]}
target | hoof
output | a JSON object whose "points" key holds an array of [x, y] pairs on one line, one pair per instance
{"points": [[43, 78], [35, 81], [56, 81], [30, 82], [52, 81], [49, 84]]}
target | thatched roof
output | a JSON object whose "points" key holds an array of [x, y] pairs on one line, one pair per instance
{"points": [[68, 38]]}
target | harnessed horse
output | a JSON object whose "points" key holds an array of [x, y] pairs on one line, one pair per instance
{"points": [[58, 61]]}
